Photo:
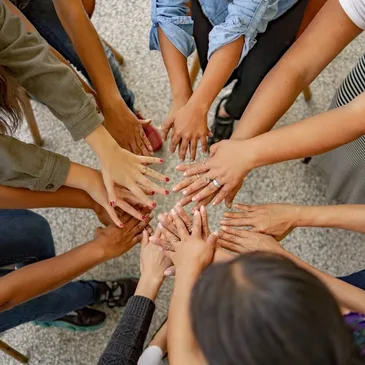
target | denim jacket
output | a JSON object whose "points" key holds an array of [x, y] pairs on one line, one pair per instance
{"points": [[230, 19]]}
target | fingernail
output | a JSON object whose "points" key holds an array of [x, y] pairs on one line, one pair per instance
{"points": [[121, 225], [174, 190], [185, 174], [167, 192], [194, 198], [167, 179], [112, 203], [202, 208], [216, 233], [196, 212], [224, 227], [144, 217], [161, 160], [173, 211], [154, 204], [178, 205], [150, 215], [160, 225], [185, 192], [152, 192], [214, 203]]}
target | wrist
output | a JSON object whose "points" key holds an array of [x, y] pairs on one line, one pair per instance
{"points": [[199, 104], [80, 176], [303, 216], [96, 249], [148, 286]]}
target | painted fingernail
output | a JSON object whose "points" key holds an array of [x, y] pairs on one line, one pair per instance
{"points": [[154, 204], [167, 179], [144, 217], [121, 225], [161, 160], [111, 204], [152, 192], [167, 192]]}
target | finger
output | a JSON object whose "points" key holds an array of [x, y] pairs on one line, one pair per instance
{"points": [[141, 226], [198, 168], [137, 239], [231, 246], [204, 202], [242, 233], [165, 128], [161, 242], [134, 148], [169, 254], [169, 236], [168, 224], [213, 149], [147, 183], [180, 225], [145, 238], [137, 191], [130, 210], [142, 146], [205, 223], [185, 183], [170, 271], [245, 207], [109, 186], [208, 190], [143, 136], [185, 167], [197, 185], [213, 239], [184, 217], [156, 175], [150, 160], [193, 147], [236, 215], [204, 143], [114, 216], [237, 222], [183, 148], [197, 225], [221, 195]]}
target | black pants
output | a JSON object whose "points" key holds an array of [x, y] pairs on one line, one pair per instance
{"points": [[270, 47]]}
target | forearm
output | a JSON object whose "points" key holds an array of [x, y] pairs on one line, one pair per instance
{"points": [[34, 280], [148, 287], [348, 216], [348, 296], [182, 347], [65, 197], [220, 67], [89, 48], [177, 69], [315, 135], [326, 36]]}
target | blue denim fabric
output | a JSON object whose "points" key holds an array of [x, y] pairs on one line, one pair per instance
{"points": [[357, 279], [25, 238], [43, 15], [231, 19]]}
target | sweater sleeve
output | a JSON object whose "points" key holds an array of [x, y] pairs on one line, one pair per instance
{"points": [[126, 344], [28, 58], [29, 166]]}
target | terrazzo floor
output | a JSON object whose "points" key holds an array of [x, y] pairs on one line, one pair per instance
{"points": [[125, 24]]}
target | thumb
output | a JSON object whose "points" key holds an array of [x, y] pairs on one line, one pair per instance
{"points": [[213, 239], [210, 134], [109, 186], [213, 149], [145, 238], [145, 121], [170, 271]]}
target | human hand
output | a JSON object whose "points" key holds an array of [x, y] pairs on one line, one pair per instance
{"points": [[115, 241], [191, 253], [153, 262], [189, 124], [276, 220], [127, 129], [121, 167], [223, 174], [241, 241]]}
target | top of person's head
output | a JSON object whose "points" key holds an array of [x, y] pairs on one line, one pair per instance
{"points": [[10, 103], [262, 309]]}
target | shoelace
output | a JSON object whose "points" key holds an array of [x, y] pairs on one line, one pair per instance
{"points": [[113, 297]]}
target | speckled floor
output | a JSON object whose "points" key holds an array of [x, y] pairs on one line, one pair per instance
{"points": [[125, 24]]}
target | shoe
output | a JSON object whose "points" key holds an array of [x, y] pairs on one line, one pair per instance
{"points": [[81, 320], [152, 134], [222, 126], [116, 293]]}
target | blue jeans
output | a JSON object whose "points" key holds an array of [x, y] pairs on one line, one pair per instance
{"points": [[357, 279], [25, 238], [42, 14]]}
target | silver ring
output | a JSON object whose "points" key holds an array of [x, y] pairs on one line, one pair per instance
{"points": [[190, 230], [197, 176], [216, 183]]}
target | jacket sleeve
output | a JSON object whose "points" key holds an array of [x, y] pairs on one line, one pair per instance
{"points": [[245, 18], [172, 16], [28, 166], [126, 344], [28, 58]]}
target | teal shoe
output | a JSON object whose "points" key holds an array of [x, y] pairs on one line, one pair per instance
{"points": [[81, 320]]}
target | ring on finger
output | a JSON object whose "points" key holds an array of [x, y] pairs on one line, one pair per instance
{"points": [[207, 180], [216, 183]]}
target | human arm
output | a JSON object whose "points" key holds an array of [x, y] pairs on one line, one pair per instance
{"points": [[120, 121], [278, 220], [326, 36], [126, 344], [30, 281], [242, 241]]}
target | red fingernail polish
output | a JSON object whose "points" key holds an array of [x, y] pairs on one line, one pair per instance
{"points": [[167, 192], [154, 204], [121, 225], [144, 217], [161, 159], [111, 204], [152, 193], [167, 179]]}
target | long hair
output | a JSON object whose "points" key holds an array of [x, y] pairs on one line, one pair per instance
{"points": [[10, 103], [262, 309]]}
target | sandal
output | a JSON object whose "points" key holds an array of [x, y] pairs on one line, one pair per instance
{"points": [[222, 127]]}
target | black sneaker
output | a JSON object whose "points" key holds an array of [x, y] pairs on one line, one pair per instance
{"points": [[116, 293], [222, 127], [80, 320]]}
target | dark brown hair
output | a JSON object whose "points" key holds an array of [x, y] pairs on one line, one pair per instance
{"points": [[10, 103]]}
